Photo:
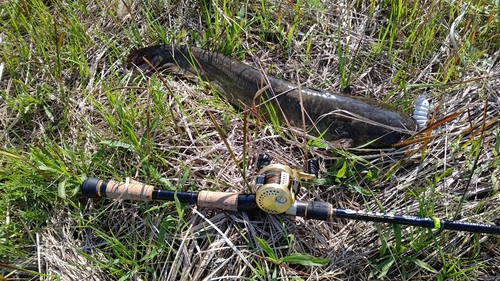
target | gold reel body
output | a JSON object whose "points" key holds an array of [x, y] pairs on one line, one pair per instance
{"points": [[277, 185]]}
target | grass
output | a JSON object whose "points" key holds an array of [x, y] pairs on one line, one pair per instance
{"points": [[69, 109]]}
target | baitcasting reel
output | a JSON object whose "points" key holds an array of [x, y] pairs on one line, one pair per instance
{"points": [[277, 184]]}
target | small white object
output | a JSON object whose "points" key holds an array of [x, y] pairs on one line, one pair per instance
{"points": [[421, 111], [1, 63]]}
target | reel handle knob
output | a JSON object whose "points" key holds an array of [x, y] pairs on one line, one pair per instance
{"points": [[262, 161], [312, 167]]}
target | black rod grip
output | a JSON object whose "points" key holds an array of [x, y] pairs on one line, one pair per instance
{"points": [[91, 187], [318, 210], [315, 210]]}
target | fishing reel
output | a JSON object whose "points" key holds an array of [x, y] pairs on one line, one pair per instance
{"points": [[277, 184]]}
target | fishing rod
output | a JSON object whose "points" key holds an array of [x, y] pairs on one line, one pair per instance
{"points": [[277, 185]]}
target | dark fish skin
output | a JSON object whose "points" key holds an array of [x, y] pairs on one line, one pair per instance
{"points": [[338, 116]]}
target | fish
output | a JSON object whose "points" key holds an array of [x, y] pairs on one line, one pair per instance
{"points": [[334, 117]]}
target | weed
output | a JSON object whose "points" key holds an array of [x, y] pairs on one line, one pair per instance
{"points": [[69, 109]]}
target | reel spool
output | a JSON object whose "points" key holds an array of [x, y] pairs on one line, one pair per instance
{"points": [[277, 185]]}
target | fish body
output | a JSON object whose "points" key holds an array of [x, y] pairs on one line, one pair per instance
{"points": [[333, 116]]}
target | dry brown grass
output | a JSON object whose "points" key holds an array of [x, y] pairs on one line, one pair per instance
{"points": [[92, 239]]}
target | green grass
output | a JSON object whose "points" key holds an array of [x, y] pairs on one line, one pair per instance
{"points": [[69, 111]]}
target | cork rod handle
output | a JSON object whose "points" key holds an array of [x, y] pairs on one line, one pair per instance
{"points": [[130, 189]]}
